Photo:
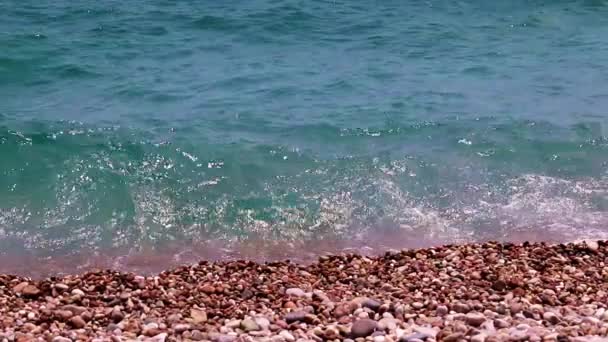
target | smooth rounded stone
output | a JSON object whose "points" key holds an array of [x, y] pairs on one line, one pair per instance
{"points": [[417, 305], [592, 320], [77, 322], [226, 338], [363, 315], [61, 339], [453, 337], [296, 292], [233, 324], [379, 338], [518, 335], [389, 324], [197, 335], [501, 324], [277, 338], [180, 327], [64, 314], [551, 317], [363, 327], [116, 315], [475, 318], [342, 310], [414, 337], [461, 308], [30, 291], [331, 333], [296, 316], [262, 322], [249, 325], [371, 304], [287, 336], [479, 337], [431, 332], [592, 245], [162, 337], [442, 310], [77, 292]]}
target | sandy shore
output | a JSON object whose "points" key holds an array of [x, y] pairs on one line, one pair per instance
{"points": [[486, 292]]}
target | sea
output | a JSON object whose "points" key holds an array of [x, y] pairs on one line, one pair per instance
{"points": [[138, 135]]}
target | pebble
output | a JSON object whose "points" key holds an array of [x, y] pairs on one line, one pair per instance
{"points": [[363, 328], [287, 336], [371, 304], [77, 322], [551, 317], [296, 292], [442, 310], [181, 327], [77, 292], [296, 316], [475, 318], [61, 339], [249, 325], [198, 316]]}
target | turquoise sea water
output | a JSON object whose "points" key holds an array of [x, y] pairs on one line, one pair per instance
{"points": [[138, 124]]}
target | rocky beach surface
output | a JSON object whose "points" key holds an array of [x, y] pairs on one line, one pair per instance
{"points": [[479, 292]]}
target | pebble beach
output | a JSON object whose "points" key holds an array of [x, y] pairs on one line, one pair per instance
{"points": [[477, 292]]}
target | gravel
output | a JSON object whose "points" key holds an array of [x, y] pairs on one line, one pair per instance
{"points": [[479, 293]]}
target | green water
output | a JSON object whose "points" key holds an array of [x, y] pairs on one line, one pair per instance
{"points": [[130, 124]]}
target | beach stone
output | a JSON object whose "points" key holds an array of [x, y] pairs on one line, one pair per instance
{"points": [[296, 292], [431, 332], [77, 322], [551, 317], [414, 337], [77, 292], [262, 322], [475, 318], [371, 304], [461, 308], [208, 289], [64, 314], [363, 328], [592, 245], [150, 329], [479, 337], [116, 315], [387, 324], [181, 327], [379, 338], [249, 325], [342, 310], [61, 339], [226, 338], [453, 337], [197, 335], [331, 333], [296, 316], [287, 336], [442, 310], [61, 286], [233, 324], [19, 287], [198, 316], [30, 291], [162, 337], [501, 324]]}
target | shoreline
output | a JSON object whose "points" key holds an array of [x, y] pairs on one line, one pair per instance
{"points": [[473, 292]]}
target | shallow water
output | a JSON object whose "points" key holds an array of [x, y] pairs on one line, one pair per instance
{"points": [[130, 127]]}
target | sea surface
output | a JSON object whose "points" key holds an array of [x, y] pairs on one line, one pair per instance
{"points": [[139, 134]]}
